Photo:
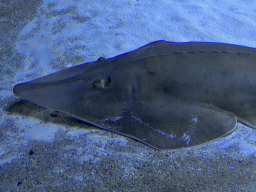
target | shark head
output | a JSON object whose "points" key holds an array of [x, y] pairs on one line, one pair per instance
{"points": [[91, 90]]}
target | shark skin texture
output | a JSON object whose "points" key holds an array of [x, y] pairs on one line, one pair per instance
{"points": [[165, 95]]}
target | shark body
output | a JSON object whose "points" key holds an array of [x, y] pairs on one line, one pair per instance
{"points": [[166, 95]]}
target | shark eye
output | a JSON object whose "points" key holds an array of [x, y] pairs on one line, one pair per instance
{"points": [[101, 83]]}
